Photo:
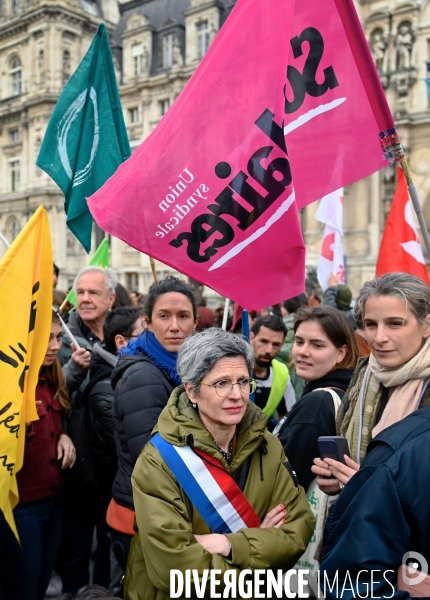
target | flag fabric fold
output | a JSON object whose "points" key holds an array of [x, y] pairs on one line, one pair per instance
{"points": [[100, 259], [26, 309], [261, 129], [400, 248], [86, 139], [330, 212]]}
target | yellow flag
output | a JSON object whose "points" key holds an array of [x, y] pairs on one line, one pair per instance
{"points": [[25, 325]]}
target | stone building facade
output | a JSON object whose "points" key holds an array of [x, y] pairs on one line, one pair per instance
{"points": [[157, 45]]}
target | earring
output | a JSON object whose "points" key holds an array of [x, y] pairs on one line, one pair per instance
{"points": [[194, 405]]}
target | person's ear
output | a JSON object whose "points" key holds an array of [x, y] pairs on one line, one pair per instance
{"points": [[426, 332], [120, 341], [251, 336], [190, 391], [341, 353], [111, 299], [147, 323]]}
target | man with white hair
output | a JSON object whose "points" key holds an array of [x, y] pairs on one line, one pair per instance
{"points": [[95, 293]]}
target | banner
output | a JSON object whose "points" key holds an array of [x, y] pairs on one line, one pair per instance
{"points": [[25, 325], [330, 212], [400, 248], [214, 190], [86, 138]]}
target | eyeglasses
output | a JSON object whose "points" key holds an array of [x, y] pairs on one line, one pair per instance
{"points": [[223, 388]]}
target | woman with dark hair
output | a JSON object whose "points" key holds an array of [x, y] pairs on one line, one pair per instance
{"points": [[25, 568], [122, 297], [143, 381], [325, 354]]}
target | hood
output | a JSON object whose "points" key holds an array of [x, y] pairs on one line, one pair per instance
{"points": [[124, 363], [180, 424], [340, 378], [102, 355]]}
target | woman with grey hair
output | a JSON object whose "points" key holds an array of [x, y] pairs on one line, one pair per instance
{"points": [[213, 489], [391, 383]]}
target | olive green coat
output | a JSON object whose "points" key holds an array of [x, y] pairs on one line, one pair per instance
{"points": [[167, 521]]}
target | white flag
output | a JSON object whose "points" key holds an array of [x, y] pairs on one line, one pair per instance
{"points": [[330, 212]]}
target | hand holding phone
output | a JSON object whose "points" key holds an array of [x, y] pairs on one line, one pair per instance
{"points": [[333, 446]]}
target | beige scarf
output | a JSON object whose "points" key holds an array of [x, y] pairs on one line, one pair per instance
{"points": [[359, 424], [408, 382]]}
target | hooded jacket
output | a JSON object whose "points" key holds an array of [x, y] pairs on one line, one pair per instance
{"points": [[98, 399], [141, 392], [382, 514], [76, 378], [313, 415], [167, 521]]}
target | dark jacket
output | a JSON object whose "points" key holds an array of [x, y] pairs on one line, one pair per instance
{"points": [[76, 378], [382, 513], [312, 416], [98, 399], [167, 520], [141, 392]]}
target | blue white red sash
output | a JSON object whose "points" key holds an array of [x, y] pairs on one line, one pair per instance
{"points": [[210, 488]]}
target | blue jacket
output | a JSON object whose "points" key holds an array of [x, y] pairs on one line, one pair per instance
{"points": [[382, 513]]}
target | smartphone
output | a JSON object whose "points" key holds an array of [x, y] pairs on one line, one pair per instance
{"points": [[333, 446]]}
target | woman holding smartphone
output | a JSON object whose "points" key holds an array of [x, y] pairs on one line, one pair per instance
{"points": [[324, 353], [391, 383]]}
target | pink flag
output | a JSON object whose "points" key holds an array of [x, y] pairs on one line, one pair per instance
{"points": [[330, 212], [214, 190]]}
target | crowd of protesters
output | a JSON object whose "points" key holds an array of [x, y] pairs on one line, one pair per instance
{"points": [[97, 495]]}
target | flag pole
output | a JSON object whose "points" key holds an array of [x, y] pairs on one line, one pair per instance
{"points": [[153, 269], [416, 203], [4, 240], [225, 315]]}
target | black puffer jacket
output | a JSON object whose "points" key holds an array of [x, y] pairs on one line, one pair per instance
{"points": [[98, 398], [141, 392], [313, 415]]}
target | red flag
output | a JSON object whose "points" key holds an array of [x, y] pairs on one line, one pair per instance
{"points": [[400, 247], [285, 108]]}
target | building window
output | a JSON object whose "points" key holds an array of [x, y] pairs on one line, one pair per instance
{"points": [[15, 74], [137, 50], [132, 281], [66, 66], [202, 38], [133, 114], [164, 106], [168, 51], [13, 228], [41, 68], [15, 176], [16, 6], [13, 135]]}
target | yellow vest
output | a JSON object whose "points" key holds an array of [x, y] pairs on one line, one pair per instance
{"points": [[279, 385]]}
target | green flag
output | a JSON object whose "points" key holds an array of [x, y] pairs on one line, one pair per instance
{"points": [[86, 139], [100, 259]]}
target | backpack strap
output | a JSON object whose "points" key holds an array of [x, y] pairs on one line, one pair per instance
{"points": [[336, 399]]}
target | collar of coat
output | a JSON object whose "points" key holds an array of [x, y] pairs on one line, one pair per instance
{"points": [[179, 424]]}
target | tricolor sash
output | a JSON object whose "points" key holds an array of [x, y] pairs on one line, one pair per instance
{"points": [[210, 488]]}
